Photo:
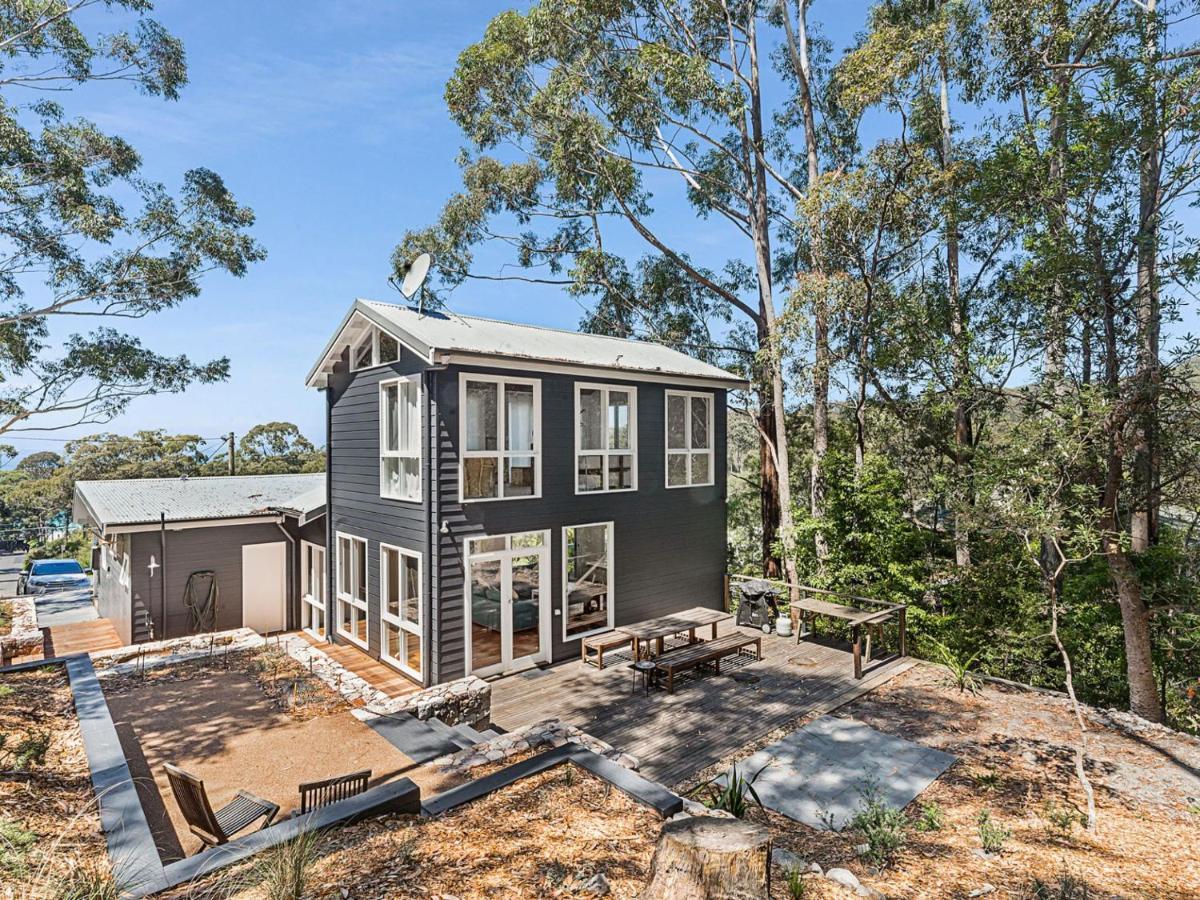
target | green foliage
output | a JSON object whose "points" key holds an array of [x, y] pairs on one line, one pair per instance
{"points": [[5, 625], [958, 667], [731, 794], [28, 752], [881, 826], [930, 817], [797, 887], [1064, 886], [275, 448], [1061, 819], [992, 835], [15, 843], [283, 871], [75, 545]]}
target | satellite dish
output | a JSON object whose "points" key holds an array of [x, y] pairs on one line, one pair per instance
{"points": [[414, 276]]}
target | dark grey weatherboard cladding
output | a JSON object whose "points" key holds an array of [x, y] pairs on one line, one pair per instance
{"points": [[355, 506], [217, 548], [669, 545]]}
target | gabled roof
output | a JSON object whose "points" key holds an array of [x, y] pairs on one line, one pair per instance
{"points": [[441, 337], [141, 501]]}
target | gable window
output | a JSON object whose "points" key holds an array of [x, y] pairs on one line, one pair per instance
{"points": [[351, 613], [587, 579], [689, 439], [500, 438], [375, 348], [400, 608], [605, 438], [400, 439]]}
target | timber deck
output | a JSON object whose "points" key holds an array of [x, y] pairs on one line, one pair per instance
{"points": [[708, 717], [80, 637], [380, 676]]}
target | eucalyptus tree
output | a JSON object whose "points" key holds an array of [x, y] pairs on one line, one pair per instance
{"points": [[586, 120], [87, 236]]}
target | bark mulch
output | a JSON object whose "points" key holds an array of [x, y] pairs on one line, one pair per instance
{"points": [[49, 829], [1015, 761]]}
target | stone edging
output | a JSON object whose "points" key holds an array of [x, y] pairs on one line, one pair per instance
{"points": [[152, 654], [553, 733], [24, 637]]}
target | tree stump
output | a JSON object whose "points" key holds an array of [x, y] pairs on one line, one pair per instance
{"points": [[707, 858]]}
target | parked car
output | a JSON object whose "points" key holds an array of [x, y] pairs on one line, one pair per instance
{"points": [[45, 576]]}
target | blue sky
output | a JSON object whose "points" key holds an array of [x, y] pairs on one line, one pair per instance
{"points": [[328, 120]]}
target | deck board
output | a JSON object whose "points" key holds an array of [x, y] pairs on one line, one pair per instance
{"points": [[707, 718], [80, 637], [380, 676]]}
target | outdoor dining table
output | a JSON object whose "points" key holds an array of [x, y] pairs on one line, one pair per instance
{"points": [[664, 626]]}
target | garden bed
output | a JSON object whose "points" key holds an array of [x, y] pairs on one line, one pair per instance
{"points": [[547, 835], [1015, 751], [49, 827]]}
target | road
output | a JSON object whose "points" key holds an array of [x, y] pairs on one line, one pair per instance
{"points": [[62, 608]]}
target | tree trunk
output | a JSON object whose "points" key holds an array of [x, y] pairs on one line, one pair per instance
{"points": [[1143, 519], [959, 339], [760, 227], [768, 493], [821, 355], [706, 858]]}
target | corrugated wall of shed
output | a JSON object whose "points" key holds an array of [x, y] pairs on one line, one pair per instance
{"points": [[669, 545], [355, 506]]}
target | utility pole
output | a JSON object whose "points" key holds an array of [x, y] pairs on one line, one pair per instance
{"points": [[232, 454]]}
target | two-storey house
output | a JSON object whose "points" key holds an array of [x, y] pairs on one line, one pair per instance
{"points": [[497, 491]]}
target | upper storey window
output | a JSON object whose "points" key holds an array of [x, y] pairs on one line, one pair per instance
{"points": [[500, 438], [375, 348], [605, 438], [400, 439], [689, 439]]}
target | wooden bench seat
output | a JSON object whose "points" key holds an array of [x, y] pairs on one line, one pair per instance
{"points": [[599, 643], [699, 654]]}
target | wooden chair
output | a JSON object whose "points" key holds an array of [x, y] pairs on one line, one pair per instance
{"points": [[215, 828], [314, 794]]}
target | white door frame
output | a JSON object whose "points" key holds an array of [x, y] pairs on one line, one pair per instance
{"points": [[310, 606], [282, 547], [508, 664]]}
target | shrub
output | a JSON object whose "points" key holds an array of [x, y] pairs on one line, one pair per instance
{"points": [[991, 834], [796, 885], [731, 796], [959, 667], [77, 545], [930, 818], [881, 826], [282, 871], [15, 842], [1062, 819]]}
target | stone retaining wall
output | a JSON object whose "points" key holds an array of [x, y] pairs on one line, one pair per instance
{"points": [[152, 654], [24, 638], [539, 735]]}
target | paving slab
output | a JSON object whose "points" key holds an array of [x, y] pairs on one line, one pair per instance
{"points": [[65, 608], [818, 774]]}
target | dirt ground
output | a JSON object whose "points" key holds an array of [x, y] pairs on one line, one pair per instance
{"points": [[222, 726], [49, 829], [1015, 760], [545, 836]]}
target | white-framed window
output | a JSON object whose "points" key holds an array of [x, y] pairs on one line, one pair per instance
{"points": [[587, 579], [312, 589], [350, 615], [690, 459], [400, 608], [375, 348], [400, 439], [605, 438], [500, 440]]}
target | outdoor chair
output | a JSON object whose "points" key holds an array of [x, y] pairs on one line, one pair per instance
{"points": [[314, 794], [215, 828]]}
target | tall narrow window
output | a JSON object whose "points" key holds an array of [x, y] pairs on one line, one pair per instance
{"points": [[500, 438], [312, 588], [400, 608], [351, 614], [587, 581], [689, 439], [605, 438], [400, 439]]}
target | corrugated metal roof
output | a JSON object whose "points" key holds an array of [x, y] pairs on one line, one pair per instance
{"points": [[430, 333], [136, 501]]}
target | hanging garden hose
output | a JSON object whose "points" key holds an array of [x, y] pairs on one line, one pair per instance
{"points": [[201, 600]]}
